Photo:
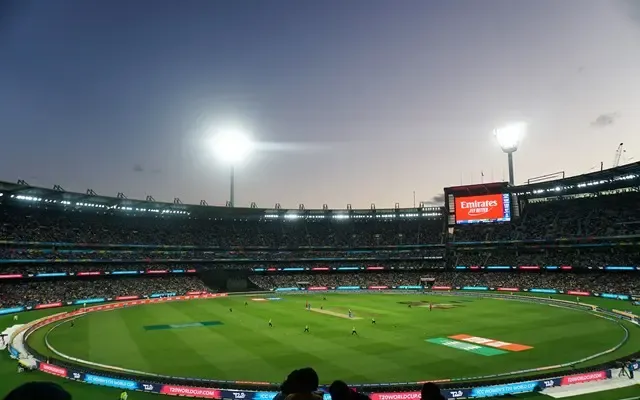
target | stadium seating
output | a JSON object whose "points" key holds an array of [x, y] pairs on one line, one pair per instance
{"points": [[31, 293], [47, 236], [605, 216], [28, 224]]}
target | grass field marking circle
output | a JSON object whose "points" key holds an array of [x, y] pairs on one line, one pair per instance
{"points": [[468, 379], [563, 304], [90, 363]]}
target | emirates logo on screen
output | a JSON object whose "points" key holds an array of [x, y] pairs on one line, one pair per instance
{"points": [[477, 208]]}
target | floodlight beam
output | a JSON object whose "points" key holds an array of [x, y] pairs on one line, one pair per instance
{"points": [[508, 138], [232, 146]]}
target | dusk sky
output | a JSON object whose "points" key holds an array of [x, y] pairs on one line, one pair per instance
{"points": [[354, 101]]}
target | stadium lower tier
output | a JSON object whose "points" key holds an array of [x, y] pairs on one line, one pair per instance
{"points": [[32, 293]]}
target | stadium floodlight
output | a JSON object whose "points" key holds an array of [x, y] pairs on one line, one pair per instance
{"points": [[232, 146], [509, 138]]}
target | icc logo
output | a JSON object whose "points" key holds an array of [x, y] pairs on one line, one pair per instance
{"points": [[239, 395], [147, 387], [456, 394]]}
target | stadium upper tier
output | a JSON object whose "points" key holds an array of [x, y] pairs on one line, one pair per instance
{"points": [[582, 217], [602, 204], [615, 215], [47, 224]]}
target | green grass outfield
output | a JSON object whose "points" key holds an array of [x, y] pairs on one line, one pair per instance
{"points": [[244, 348]]}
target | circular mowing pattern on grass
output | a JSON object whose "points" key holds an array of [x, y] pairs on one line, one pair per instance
{"points": [[224, 339]]}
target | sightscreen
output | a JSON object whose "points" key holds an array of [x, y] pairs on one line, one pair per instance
{"points": [[483, 208]]}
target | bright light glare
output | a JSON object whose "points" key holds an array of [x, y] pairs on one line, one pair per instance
{"points": [[509, 136], [232, 146]]}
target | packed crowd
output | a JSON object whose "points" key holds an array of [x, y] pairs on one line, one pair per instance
{"points": [[57, 254], [34, 269], [25, 293], [583, 258], [44, 292], [338, 279], [603, 216], [585, 217], [40, 268], [42, 225], [598, 282]]}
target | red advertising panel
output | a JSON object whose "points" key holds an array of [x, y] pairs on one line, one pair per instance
{"points": [[157, 271], [318, 288], [396, 396], [378, 287], [374, 268], [320, 268], [441, 287], [11, 276], [584, 378], [127, 297], [202, 393], [508, 289], [484, 208], [578, 293], [50, 305], [90, 273], [52, 369]]}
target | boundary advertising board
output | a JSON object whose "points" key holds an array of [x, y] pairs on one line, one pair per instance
{"points": [[84, 374]]}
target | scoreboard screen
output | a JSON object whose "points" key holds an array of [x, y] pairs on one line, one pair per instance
{"points": [[483, 208]]}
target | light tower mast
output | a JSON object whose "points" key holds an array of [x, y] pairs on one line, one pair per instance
{"points": [[616, 159]]}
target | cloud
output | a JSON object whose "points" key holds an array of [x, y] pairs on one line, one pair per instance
{"points": [[437, 200], [138, 168], [604, 120]]}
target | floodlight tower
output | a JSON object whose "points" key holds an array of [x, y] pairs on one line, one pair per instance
{"points": [[508, 138], [232, 146]]}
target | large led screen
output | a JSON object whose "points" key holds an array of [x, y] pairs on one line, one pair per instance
{"points": [[484, 208]]}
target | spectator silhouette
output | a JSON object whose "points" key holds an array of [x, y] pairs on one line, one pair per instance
{"points": [[431, 391], [301, 384], [38, 391], [341, 391]]}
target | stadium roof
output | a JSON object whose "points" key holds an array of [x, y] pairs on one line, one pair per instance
{"points": [[624, 176], [24, 192]]}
